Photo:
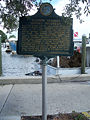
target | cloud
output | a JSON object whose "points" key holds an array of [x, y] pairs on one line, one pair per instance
{"points": [[33, 10], [1, 28], [59, 6]]}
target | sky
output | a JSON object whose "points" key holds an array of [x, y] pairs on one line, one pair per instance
{"points": [[82, 29]]}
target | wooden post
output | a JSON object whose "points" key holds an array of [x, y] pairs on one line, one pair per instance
{"points": [[83, 54], [0, 58]]}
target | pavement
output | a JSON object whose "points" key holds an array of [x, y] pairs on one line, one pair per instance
{"points": [[18, 100]]}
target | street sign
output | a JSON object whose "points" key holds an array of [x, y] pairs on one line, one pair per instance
{"points": [[45, 34]]}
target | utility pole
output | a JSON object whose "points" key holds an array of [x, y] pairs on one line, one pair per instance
{"points": [[0, 58], [83, 54]]}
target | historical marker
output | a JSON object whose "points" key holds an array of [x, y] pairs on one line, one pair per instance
{"points": [[45, 34]]}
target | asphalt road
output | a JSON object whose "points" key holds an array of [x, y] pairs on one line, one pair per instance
{"points": [[26, 99]]}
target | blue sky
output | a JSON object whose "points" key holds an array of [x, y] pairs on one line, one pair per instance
{"points": [[77, 27]]}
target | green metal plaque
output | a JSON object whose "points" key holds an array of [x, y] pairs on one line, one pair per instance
{"points": [[45, 34]]}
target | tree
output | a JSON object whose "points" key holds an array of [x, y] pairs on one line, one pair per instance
{"points": [[3, 36], [75, 8], [11, 10]]}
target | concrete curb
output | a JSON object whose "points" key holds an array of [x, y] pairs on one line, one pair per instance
{"points": [[38, 79], [10, 117]]}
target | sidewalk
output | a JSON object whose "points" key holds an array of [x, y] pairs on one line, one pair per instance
{"points": [[26, 99]]}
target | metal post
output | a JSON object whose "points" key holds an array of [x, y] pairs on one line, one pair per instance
{"points": [[58, 65], [44, 90], [0, 58], [83, 54]]}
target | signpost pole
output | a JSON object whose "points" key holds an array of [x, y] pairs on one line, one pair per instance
{"points": [[44, 90]]}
